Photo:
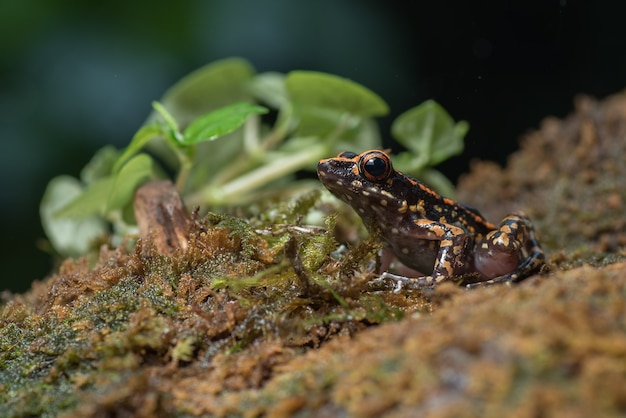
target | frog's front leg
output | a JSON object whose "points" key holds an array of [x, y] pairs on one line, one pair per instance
{"points": [[451, 257], [453, 245], [509, 253]]}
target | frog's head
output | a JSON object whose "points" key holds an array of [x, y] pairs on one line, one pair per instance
{"points": [[364, 181]]}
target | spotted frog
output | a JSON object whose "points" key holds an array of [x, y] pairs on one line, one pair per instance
{"points": [[426, 231]]}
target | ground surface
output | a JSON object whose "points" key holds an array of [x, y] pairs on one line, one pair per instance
{"points": [[249, 324]]}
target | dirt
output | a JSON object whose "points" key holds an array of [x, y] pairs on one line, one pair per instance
{"points": [[568, 177], [249, 320]]}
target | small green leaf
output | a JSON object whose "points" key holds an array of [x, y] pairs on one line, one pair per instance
{"points": [[100, 165], [214, 85], [144, 135], [92, 200], [330, 92], [131, 175], [430, 132], [69, 237], [219, 122]]}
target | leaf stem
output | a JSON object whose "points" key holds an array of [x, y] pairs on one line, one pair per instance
{"points": [[255, 149], [258, 177], [281, 128]]}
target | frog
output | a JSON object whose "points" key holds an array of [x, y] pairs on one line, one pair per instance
{"points": [[428, 232]]}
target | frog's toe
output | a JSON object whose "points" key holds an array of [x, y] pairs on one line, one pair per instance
{"points": [[424, 282]]}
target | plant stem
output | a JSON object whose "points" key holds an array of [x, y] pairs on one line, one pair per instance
{"points": [[281, 128], [183, 174], [258, 177], [249, 156]]}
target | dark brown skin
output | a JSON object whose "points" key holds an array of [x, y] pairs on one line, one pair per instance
{"points": [[426, 231]]}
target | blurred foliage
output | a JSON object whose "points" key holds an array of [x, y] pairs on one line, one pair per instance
{"points": [[209, 130]]}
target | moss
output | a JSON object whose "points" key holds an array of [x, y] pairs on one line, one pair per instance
{"points": [[264, 316], [568, 177], [231, 304]]}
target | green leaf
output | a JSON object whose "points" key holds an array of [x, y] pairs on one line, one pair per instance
{"points": [[330, 92], [213, 158], [410, 163], [131, 175], [430, 132], [270, 88], [92, 200], [219, 122], [108, 193], [69, 237], [365, 136], [439, 182], [144, 135], [313, 121], [100, 165], [214, 85], [173, 130]]}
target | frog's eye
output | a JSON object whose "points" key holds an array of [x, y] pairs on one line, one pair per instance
{"points": [[375, 165], [347, 154]]}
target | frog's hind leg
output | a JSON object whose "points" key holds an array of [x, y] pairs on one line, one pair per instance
{"points": [[511, 253]]}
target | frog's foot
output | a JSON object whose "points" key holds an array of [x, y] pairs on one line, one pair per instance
{"points": [[419, 283]]}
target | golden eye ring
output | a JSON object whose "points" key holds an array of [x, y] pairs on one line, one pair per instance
{"points": [[375, 165]]}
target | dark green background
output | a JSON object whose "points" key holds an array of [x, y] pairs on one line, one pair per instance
{"points": [[75, 76]]}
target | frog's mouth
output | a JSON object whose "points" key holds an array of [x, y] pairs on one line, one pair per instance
{"points": [[335, 176]]}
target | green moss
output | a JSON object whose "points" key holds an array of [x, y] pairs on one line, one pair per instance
{"points": [[30, 351], [256, 317]]}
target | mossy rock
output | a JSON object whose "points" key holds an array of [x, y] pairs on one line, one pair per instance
{"points": [[254, 319]]}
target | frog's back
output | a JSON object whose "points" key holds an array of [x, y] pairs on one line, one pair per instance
{"points": [[425, 203]]}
